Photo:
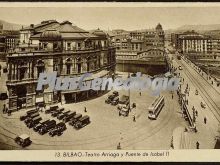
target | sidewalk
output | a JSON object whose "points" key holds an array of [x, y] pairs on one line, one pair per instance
{"points": [[206, 132], [203, 74]]}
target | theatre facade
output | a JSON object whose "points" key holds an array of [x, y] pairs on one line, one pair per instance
{"points": [[61, 47]]}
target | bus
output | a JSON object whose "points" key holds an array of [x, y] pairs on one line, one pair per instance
{"points": [[156, 107]]}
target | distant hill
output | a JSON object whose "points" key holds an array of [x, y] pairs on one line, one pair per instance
{"points": [[10, 26], [199, 27]]}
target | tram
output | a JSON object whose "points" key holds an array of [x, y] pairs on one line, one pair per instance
{"points": [[155, 108]]}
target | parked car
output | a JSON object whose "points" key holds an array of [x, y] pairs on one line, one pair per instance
{"points": [[75, 119], [123, 102], [40, 125], [124, 111], [46, 127], [30, 117], [61, 116], [115, 93], [51, 108], [109, 99], [82, 122], [34, 121], [22, 118], [32, 111], [23, 140], [58, 130], [115, 101], [54, 131], [69, 117]]}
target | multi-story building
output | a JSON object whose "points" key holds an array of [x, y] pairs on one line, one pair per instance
{"points": [[61, 47], [141, 50], [140, 40], [11, 39]]}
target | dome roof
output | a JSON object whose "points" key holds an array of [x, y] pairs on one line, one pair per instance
{"points": [[50, 35], [159, 27], [99, 33]]}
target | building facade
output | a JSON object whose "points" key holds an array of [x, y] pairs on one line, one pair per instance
{"points": [[141, 50], [140, 40], [61, 47]]}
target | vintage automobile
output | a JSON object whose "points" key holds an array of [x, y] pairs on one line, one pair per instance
{"points": [[23, 140], [75, 119], [109, 99], [22, 118], [124, 111], [123, 102], [47, 127], [40, 125], [115, 101], [115, 93], [61, 116], [30, 117], [68, 117], [34, 122], [51, 108], [82, 122], [58, 130]]}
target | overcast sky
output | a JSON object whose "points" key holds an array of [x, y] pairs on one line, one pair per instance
{"points": [[128, 18]]}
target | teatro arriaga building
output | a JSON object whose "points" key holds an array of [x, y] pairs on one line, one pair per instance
{"points": [[62, 47]]}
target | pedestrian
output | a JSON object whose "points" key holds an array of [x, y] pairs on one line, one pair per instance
{"points": [[196, 130], [172, 96], [140, 93], [197, 145], [134, 119], [9, 113], [196, 113], [4, 108], [119, 146], [85, 109], [134, 105], [194, 118], [205, 120], [119, 114]]}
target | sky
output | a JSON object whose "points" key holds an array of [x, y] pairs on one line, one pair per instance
{"points": [[108, 18]]}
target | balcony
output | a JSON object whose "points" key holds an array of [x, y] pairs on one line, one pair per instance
{"points": [[21, 82]]}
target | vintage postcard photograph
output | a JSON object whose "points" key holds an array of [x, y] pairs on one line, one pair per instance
{"points": [[110, 77]]}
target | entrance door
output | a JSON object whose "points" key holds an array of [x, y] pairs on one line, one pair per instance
{"points": [[21, 93]]}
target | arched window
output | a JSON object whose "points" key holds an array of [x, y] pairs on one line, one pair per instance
{"points": [[40, 67], [79, 65], [68, 65]]}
